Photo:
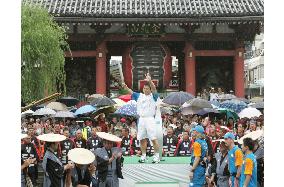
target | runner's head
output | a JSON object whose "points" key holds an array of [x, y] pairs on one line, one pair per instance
{"points": [[248, 145], [147, 89]]}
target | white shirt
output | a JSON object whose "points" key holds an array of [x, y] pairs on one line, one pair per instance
{"points": [[146, 106]]}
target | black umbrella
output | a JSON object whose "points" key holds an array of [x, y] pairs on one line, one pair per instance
{"points": [[177, 98], [68, 101], [102, 101]]}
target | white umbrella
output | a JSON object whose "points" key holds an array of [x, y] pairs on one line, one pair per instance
{"points": [[44, 111], [64, 114], [249, 113], [57, 106], [254, 135], [26, 113]]}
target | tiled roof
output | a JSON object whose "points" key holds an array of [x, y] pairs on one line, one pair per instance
{"points": [[152, 8]]}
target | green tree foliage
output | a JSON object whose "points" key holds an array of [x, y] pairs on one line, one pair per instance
{"points": [[43, 45]]}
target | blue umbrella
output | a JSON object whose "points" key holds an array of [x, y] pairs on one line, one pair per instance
{"points": [[234, 104], [215, 102], [177, 98], [128, 110], [85, 109]]}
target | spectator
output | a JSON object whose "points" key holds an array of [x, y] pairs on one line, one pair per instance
{"points": [[183, 147], [126, 142], [179, 129], [94, 141], [80, 142], [169, 143], [135, 145], [28, 150], [252, 126]]}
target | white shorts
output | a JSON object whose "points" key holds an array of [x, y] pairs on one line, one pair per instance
{"points": [[146, 128]]}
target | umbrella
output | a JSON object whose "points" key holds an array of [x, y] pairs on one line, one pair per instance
{"points": [[256, 99], [259, 105], [198, 103], [243, 99], [36, 107], [207, 111], [64, 114], [130, 109], [102, 101], [27, 113], [85, 109], [57, 106], [105, 110], [234, 104], [229, 113], [190, 110], [177, 98], [119, 102], [254, 135], [249, 113], [226, 96], [94, 96], [44, 111], [68, 101], [215, 103], [125, 98]]}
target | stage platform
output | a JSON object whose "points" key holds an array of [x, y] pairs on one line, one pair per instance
{"points": [[172, 172]]}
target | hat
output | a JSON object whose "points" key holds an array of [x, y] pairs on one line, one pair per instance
{"points": [[254, 135], [199, 129], [123, 120], [24, 136], [81, 156], [109, 137], [229, 135], [51, 137]]}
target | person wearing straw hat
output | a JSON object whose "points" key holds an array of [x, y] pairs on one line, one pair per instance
{"points": [[52, 165], [109, 160], [84, 169], [28, 150], [198, 159], [235, 159], [249, 166], [146, 109]]}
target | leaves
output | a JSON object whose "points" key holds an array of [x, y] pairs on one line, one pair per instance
{"points": [[43, 45]]}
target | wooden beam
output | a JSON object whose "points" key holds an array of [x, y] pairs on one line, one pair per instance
{"points": [[214, 53], [81, 54]]}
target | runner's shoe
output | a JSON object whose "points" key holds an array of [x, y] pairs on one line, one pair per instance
{"points": [[142, 159], [156, 160]]}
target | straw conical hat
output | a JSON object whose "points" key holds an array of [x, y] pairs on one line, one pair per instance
{"points": [[109, 137], [24, 136], [253, 135], [81, 156], [51, 137]]}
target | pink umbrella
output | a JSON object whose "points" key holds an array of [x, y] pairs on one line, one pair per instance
{"points": [[125, 98]]}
